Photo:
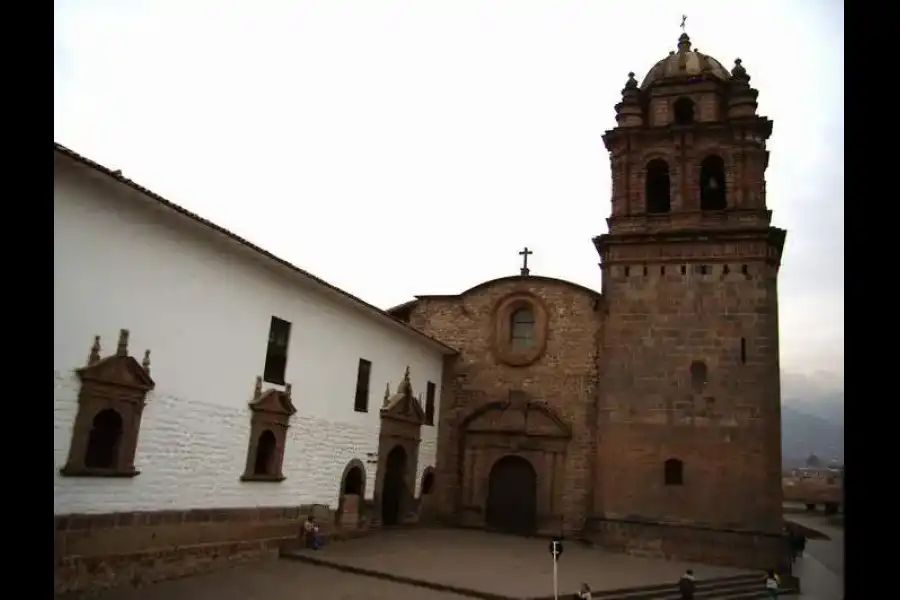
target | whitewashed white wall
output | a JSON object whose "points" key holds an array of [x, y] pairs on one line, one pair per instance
{"points": [[202, 304]]}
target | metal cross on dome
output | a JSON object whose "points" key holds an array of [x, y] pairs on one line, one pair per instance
{"points": [[683, 21]]}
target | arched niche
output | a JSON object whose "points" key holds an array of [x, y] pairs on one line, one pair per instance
{"points": [[110, 406], [352, 494]]}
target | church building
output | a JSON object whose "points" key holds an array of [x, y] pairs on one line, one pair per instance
{"points": [[209, 395], [645, 418]]}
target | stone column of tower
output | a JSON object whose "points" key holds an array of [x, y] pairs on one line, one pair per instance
{"points": [[689, 416]]}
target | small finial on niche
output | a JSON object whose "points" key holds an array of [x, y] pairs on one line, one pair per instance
{"points": [[94, 355], [122, 348]]}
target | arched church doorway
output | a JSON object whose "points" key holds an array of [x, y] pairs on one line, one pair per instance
{"points": [[512, 496], [353, 482], [394, 487]]}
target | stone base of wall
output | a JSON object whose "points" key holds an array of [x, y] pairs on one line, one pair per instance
{"points": [[95, 552], [734, 548]]}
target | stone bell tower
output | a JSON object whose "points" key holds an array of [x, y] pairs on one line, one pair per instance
{"points": [[689, 418]]}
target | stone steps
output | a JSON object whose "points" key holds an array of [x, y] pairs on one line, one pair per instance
{"points": [[736, 587]]}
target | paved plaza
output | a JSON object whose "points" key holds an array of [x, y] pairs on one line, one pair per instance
{"points": [[275, 580], [821, 570], [503, 565], [489, 563]]}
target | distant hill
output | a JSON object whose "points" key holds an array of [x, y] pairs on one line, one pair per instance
{"points": [[803, 434], [812, 418]]}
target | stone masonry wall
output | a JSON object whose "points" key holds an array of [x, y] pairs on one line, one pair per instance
{"points": [[564, 376], [98, 551], [695, 544], [726, 430]]}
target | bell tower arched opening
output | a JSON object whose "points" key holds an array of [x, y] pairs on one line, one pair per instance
{"points": [[712, 183], [684, 111], [657, 187]]}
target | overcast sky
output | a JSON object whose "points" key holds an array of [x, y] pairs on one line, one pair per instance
{"points": [[397, 148]]}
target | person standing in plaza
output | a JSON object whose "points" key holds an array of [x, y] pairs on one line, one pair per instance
{"points": [[772, 584], [687, 585]]}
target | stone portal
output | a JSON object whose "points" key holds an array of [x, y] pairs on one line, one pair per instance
{"points": [[402, 418], [514, 466]]}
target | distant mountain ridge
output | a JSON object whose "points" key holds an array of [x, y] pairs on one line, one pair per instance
{"points": [[812, 418]]}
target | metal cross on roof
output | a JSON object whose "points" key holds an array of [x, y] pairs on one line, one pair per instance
{"points": [[525, 254]]}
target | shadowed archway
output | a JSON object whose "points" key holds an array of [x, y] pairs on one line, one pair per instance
{"points": [[394, 487], [427, 486], [512, 496], [354, 480], [352, 494]]}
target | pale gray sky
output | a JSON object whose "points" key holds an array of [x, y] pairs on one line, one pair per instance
{"points": [[413, 147]]}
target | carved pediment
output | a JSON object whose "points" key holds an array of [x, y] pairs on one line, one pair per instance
{"points": [[523, 417], [403, 404], [120, 369], [276, 402]]}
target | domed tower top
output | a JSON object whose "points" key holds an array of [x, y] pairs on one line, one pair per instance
{"points": [[689, 149], [685, 64]]}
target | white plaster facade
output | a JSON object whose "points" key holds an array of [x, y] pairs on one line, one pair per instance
{"points": [[202, 303]]}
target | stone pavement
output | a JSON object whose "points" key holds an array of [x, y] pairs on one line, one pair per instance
{"points": [[503, 565], [821, 570], [491, 563], [276, 580]]}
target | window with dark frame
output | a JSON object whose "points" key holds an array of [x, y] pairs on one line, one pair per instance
{"points": [[276, 352], [363, 375], [673, 472], [522, 329], [430, 390]]}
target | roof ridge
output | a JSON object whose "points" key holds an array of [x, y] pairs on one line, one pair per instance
{"points": [[117, 175]]}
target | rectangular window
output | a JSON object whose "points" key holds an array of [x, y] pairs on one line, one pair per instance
{"points": [[276, 353], [363, 374], [521, 331], [429, 403]]}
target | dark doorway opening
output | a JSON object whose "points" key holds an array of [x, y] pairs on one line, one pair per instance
{"points": [[394, 488], [512, 496], [657, 190], [712, 183]]}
